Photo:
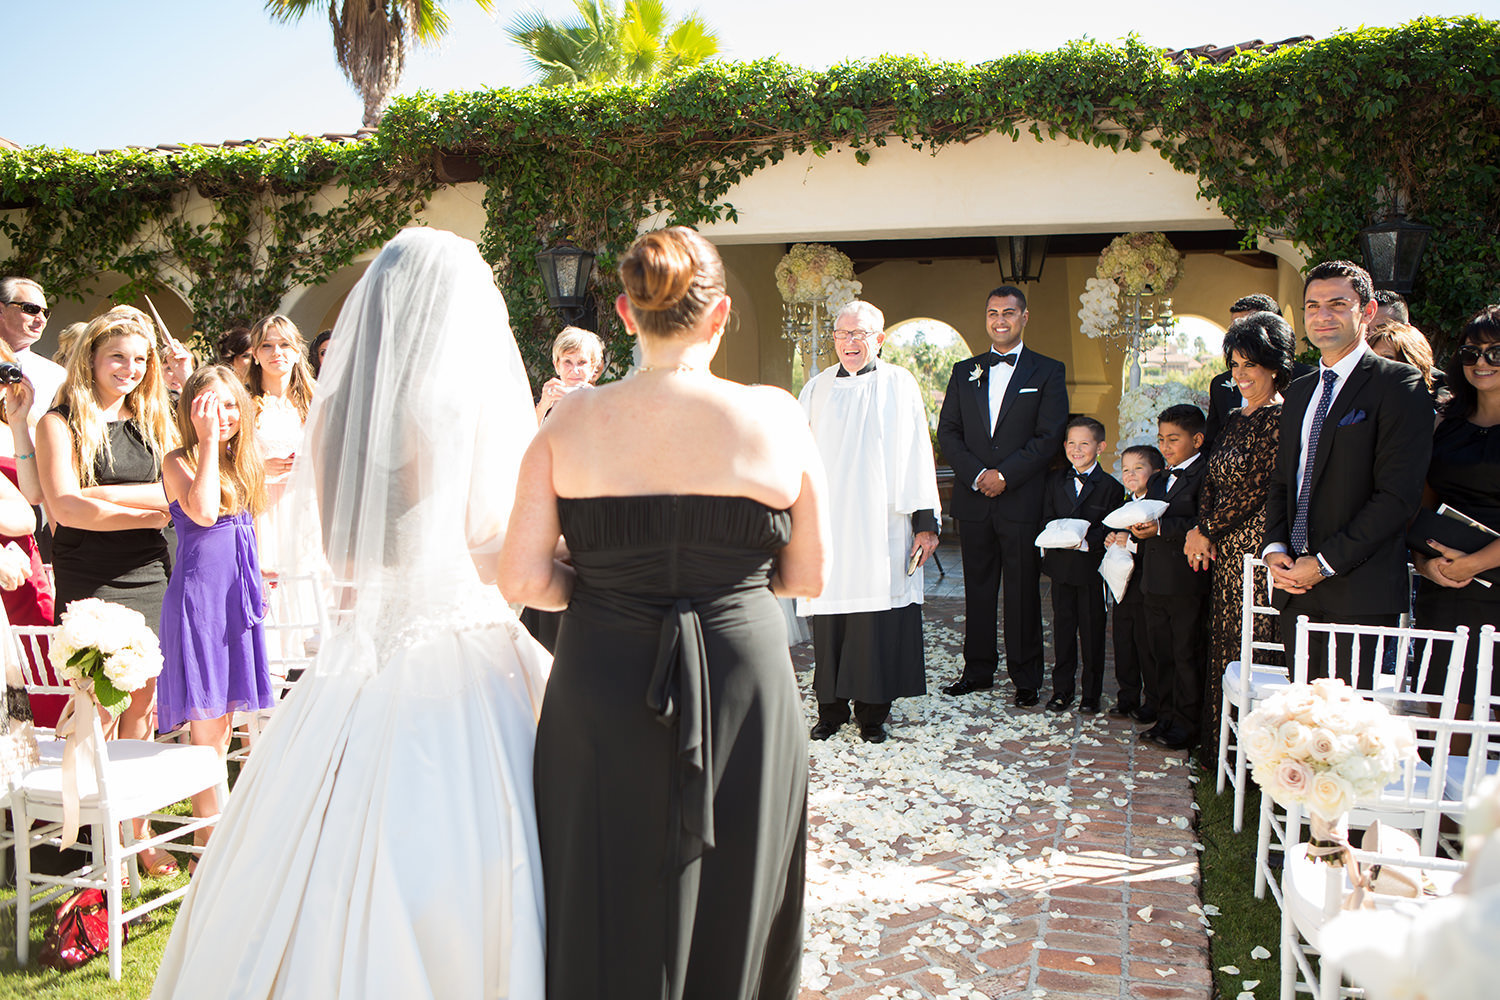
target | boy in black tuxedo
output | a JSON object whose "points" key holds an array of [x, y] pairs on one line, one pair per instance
{"points": [[1137, 466], [1176, 593], [1085, 491]]}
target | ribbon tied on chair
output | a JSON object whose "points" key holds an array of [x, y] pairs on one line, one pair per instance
{"points": [[75, 727]]}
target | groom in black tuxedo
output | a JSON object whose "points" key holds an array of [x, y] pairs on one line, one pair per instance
{"points": [[1001, 424], [1355, 441]]}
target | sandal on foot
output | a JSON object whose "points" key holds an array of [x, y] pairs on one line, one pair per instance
{"points": [[162, 866]]}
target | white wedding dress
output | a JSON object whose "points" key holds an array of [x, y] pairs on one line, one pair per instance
{"points": [[382, 841]]}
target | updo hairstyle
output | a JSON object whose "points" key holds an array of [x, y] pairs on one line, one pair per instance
{"points": [[672, 277]]}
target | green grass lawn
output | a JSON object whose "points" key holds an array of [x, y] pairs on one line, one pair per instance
{"points": [[1243, 921]]}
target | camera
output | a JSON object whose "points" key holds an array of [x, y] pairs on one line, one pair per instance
{"points": [[10, 373]]}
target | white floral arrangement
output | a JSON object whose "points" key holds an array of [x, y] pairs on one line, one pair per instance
{"points": [[838, 293], [817, 273], [1101, 307], [1140, 407], [1323, 747], [1137, 262], [107, 648], [1444, 947]]}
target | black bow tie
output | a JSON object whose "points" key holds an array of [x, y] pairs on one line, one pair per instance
{"points": [[993, 359], [1082, 477], [1176, 470]]}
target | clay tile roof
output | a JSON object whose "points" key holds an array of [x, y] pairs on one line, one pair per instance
{"points": [[174, 147], [1217, 54]]}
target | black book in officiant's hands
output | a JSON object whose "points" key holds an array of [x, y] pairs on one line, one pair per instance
{"points": [[1456, 530]]}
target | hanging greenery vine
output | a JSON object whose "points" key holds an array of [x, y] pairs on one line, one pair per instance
{"points": [[1307, 143]]}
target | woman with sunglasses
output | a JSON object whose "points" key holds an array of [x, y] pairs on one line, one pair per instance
{"points": [[1465, 474]]}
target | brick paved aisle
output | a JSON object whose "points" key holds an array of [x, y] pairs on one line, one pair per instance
{"points": [[986, 851]]}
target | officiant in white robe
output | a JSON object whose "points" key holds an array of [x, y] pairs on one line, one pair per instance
{"points": [[868, 420]]}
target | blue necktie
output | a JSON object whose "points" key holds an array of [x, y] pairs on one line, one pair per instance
{"points": [[1304, 493]]}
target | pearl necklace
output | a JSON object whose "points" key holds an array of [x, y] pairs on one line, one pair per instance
{"points": [[683, 369]]}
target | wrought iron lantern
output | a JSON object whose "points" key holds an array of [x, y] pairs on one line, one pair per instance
{"points": [[566, 270], [1393, 252], [1024, 254]]}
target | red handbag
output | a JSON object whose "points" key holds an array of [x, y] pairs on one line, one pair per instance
{"points": [[79, 931]]}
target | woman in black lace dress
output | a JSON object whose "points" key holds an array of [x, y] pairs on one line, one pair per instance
{"points": [[671, 757], [1232, 503], [1465, 473]]}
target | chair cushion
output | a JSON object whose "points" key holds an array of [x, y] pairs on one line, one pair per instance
{"points": [[1264, 681], [142, 777], [1458, 770]]}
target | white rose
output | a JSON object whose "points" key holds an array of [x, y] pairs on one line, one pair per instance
{"points": [[1261, 744], [1330, 796], [130, 668], [1290, 782], [1294, 738], [1482, 812], [1324, 747]]}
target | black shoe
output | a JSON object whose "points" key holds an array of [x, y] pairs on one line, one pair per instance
{"points": [[1027, 697], [965, 685], [1144, 715], [1088, 707], [1150, 735], [872, 734], [823, 730], [1119, 711], [1175, 738], [1058, 703]]}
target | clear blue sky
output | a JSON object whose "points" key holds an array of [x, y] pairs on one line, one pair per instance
{"points": [[96, 74]]}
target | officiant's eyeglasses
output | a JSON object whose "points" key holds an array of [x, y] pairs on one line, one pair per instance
{"points": [[31, 309], [850, 335], [1469, 354]]}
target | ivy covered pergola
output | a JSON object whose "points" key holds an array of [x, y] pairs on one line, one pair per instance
{"points": [[1308, 143]]}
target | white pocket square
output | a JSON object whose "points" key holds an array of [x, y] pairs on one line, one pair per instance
{"points": [[1032, 389]]}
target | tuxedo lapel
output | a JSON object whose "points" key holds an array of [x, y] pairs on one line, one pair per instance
{"points": [[1025, 364], [1089, 486]]}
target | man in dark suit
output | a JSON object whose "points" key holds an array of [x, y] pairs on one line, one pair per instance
{"points": [[1223, 394], [1355, 442], [1081, 490], [1000, 426]]}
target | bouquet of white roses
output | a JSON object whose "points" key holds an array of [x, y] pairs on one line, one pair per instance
{"points": [[1322, 746], [106, 648]]}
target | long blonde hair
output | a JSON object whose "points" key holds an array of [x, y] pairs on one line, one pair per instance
{"points": [[242, 479], [147, 403], [299, 387]]}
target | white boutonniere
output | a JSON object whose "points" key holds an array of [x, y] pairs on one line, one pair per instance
{"points": [[977, 373]]}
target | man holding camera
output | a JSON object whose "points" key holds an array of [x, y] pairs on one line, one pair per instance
{"points": [[871, 429], [23, 317]]}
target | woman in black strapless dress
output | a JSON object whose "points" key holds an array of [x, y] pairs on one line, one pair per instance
{"points": [[671, 758]]}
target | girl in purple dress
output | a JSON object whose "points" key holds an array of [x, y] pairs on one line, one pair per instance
{"points": [[211, 637]]}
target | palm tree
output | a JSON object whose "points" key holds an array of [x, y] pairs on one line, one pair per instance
{"points": [[606, 43], [369, 38]]}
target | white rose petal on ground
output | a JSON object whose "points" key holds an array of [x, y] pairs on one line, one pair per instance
{"points": [[1259, 953], [1084, 960], [1232, 970], [1145, 913], [1164, 973]]}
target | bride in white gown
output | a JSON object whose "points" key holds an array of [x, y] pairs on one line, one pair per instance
{"points": [[382, 840]]}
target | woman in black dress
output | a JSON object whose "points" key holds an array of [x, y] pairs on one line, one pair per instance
{"points": [[671, 759], [1465, 473], [1232, 502], [99, 454]]}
